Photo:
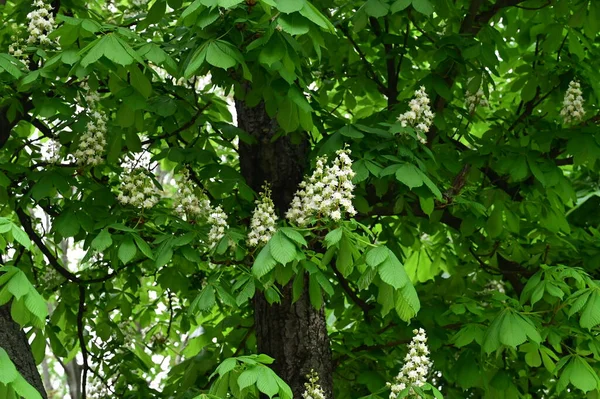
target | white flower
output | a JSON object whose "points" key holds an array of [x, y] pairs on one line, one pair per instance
{"points": [[416, 366], [327, 193], [93, 142], [313, 389], [187, 204], [41, 23], [263, 223], [572, 110], [137, 189], [218, 221], [419, 116], [474, 100]]}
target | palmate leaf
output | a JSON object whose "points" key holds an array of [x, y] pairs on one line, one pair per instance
{"points": [[264, 262], [282, 248], [8, 371], [392, 272]]}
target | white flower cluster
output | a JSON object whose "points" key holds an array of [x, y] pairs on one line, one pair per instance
{"points": [[41, 23], [263, 223], [50, 278], [476, 100], [572, 110], [137, 189], [313, 389], [18, 49], [218, 221], [93, 141], [420, 115], [416, 366], [187, 203], [50, 151], [326, 193], [96, 388], [495, 286], [139, 3]]}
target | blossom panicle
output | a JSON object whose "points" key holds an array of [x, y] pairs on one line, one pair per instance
{"points": [[264, 220], [419, 116], [572, 110], [416, 366], [328, 192]]}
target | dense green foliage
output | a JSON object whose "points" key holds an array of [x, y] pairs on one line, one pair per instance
{"points": [[486, 235]]}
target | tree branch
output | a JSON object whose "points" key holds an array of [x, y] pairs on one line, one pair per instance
{"points": [[80, 331], [366, 308], [368, 65]]}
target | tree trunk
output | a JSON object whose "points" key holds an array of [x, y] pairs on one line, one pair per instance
{"points": [[14, 341], [294, 334]]}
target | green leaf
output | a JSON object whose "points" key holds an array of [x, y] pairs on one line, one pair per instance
{"points": [[206, 300], [195, 62], [511, 333], [333, 237], [310, 12], [282, 249], [24, 389], [8, 371], [376, 8], [143, 246], [294, 24], [407, 302], [191, 9], [409, 175], [273, 51], [127, 250], [582, 375], [345, 263], [156, 12], [590, 317], [67, 224], [115, 50], [423, 6], [219, 54], [287, 115], [264, 262], [314, 292], [290, 6], [399, 5], [377, 255], [248, 377], [18, 285], [294, 235], [140, 82], [266, 382], [102, 241], [20, 236], [392, 272], [10, 65]]}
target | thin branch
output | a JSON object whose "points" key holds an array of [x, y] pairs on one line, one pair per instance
{"points": [[180, 129], [548, 2], [80, 331], [242, 343], [42, 127], [26, 223], [368, 65], [366, 308]]}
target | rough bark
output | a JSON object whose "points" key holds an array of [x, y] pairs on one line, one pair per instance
{"points": [[14, 341], [294, 334]]}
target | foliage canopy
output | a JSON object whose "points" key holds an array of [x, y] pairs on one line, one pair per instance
{"points": [[485, 233]]}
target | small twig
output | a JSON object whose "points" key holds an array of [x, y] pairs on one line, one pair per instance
{"points": [[363, 57], [242, 343], [344, 283], [170, 312], [80, 331]]}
